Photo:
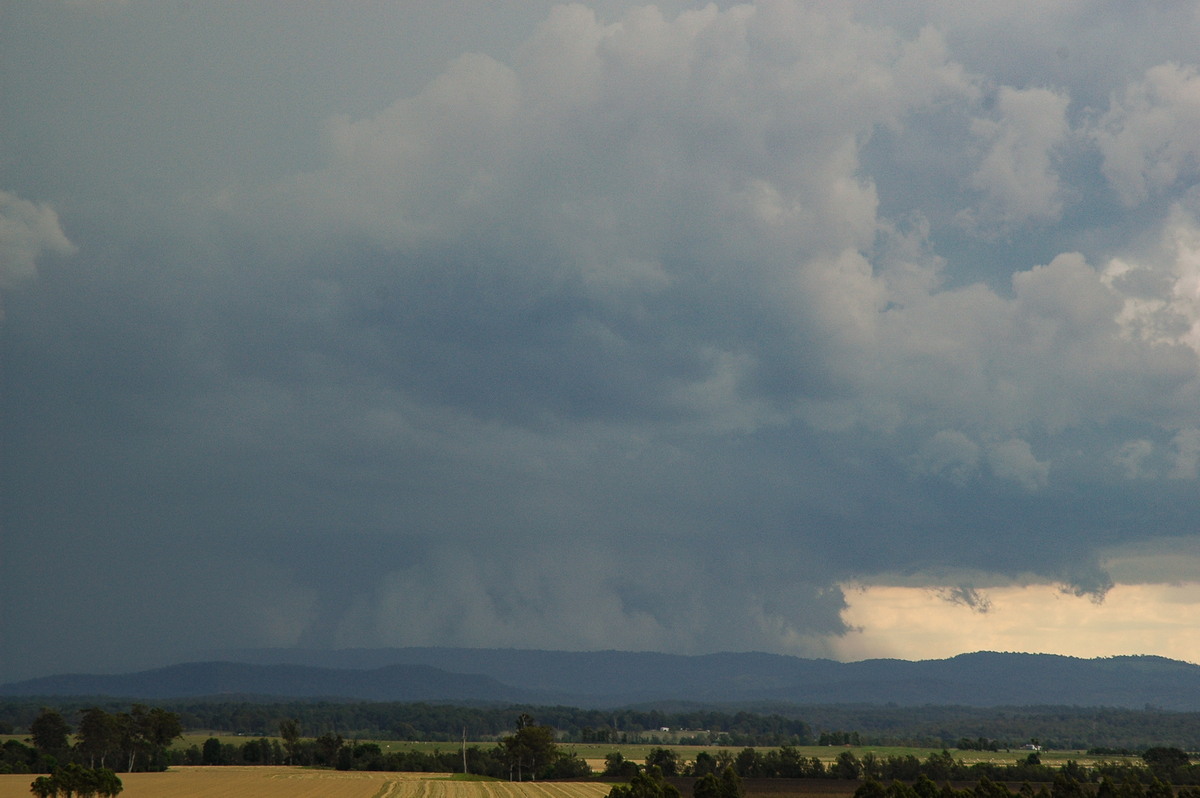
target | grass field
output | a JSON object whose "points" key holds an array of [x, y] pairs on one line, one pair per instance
{"points": [[594, 753], [289, 782]]}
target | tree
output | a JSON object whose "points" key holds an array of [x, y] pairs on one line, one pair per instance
{"points": [[328, 745], [49, 731], [210, 752], [158, 729], [1164, 761], [925, 787], [748, 763], [109, 783], [986, 788], [146, 731], [731, 783], [44, 787], [617, 766], [647, 784], [98, 735], [289, 730], [129, 733], [1065, 786], [76, 780], [706, 786], [940, 766], [567, 766], [665, 760], [870, 788], [846, 766], [705, 764], [532, 747]]}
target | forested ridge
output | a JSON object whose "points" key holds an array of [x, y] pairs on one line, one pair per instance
{"points": [[617, 679], [1056, 727]]}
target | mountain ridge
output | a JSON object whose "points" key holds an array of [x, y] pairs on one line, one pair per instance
{"points": [[622, 678]]}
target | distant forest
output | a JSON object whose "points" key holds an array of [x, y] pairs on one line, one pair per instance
{"points": [[1069, 728]]}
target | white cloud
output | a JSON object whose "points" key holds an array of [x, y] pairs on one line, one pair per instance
{"points": [[1131, 456], [611, 141], [1160, 288], [1148, 136], [1014, 460], [1017, 176], [1186, 447], [948, 453], [27, 231]]}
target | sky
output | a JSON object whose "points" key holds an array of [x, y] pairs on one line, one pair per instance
{"points": [[844, 330]]}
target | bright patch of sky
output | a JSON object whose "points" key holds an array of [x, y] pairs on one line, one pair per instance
{"points": [[936, 622]]}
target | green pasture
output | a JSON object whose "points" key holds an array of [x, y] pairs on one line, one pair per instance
{"points": [[638, 752], [829, 753]]}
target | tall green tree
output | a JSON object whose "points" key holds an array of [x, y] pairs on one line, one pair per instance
{"points": [[617, 766], [665, 759], [731, 783], [647, 784], [50, 732], [98, 735], [704, 765], [328, 745], [846, 766], [146, 733], [531, 748], [210, 752], [159, 729], [289, 730]]}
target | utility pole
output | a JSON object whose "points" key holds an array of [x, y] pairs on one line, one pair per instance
{"points": [[464, 749]]}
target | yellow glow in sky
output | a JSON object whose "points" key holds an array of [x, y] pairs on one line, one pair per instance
{"points": [[923, 623]]}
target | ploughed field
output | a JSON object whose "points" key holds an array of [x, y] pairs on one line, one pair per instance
{"points": [[294, 782]]}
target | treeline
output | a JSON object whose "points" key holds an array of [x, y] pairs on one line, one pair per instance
{"points": [[334, 751], [1159, 765], [1063, 728], [1056, 727], [129, 741], [446, 723], [76, 780], [531, 752], [1063, 786]]}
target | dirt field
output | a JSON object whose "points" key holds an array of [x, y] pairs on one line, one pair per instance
{"points": [[288, 782]]}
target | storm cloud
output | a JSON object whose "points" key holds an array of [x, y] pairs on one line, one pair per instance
{"points": [[636, 327]]}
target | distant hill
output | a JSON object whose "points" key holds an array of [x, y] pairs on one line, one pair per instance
{"points": [[398, 682], [617, 678]]}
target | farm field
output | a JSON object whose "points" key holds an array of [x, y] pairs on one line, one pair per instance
{"points": [[594, 753], [292, 782]]}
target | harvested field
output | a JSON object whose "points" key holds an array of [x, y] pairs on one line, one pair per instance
{"points": [[291, 782]]}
